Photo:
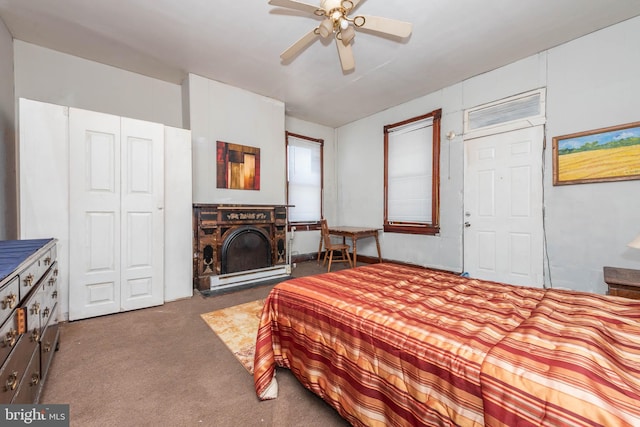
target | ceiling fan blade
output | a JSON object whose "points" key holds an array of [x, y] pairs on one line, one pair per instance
{"points": [[385, 25], [356, 3], [346, 56], [293, 4], [298, 46]]}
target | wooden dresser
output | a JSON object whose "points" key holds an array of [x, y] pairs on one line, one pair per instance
{"points": [[28, 317]]}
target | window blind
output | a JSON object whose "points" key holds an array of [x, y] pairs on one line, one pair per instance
{"points": [[304, 178], [410, 172]]}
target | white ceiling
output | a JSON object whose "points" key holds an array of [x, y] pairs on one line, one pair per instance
{"points": [[238, 42]]}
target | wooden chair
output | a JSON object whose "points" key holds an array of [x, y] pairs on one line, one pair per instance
{"points": [[330, 248]]}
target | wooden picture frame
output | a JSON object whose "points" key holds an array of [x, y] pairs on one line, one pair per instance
{"points": [[599, 155]]}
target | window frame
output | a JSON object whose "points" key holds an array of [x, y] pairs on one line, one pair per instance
{"points": [[408, 227], [305, 225]]}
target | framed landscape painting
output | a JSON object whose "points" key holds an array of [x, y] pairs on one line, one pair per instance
{"points": [[600, 155]]}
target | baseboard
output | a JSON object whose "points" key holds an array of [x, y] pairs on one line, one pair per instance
{"points": [[243, 286], [250, 276], [314, 256]]}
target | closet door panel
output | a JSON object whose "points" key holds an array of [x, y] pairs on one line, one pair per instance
{"points": [[142, 214], [178, 214], [94, 220], [44, 180]]}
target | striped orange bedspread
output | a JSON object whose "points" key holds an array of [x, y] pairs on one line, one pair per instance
{"points": [[386, 344], [394, 345], [574, 362]]}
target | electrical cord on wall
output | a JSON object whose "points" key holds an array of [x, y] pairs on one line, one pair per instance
{"points": [[544, 218]]}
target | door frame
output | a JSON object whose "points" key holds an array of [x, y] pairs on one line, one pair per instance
{"points": [[507, 126]]}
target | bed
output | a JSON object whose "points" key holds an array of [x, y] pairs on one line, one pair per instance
{"points": [[388, 344]]}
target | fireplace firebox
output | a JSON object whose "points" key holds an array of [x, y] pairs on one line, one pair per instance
{"points": [[238, 244]]}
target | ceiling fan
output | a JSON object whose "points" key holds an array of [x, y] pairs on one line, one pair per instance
{"points": [[336, 22]]}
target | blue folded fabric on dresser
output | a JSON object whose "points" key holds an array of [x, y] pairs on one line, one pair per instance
{"points": [[15, 252]]}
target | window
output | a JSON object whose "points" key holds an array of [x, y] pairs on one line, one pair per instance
{"points": [[304, 181], [516, 112], [412, 175]]}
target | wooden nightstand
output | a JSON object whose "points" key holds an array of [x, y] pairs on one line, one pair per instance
{"points": [[623, 282]]}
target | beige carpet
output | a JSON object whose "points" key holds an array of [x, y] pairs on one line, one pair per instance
{"points": [[237, 327]]}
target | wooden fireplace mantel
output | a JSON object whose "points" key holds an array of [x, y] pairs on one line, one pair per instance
{"points": [[213, 223]]}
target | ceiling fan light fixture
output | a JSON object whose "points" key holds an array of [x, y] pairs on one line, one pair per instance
{"points": [[347, 35], [337, 22], [325, 28]]}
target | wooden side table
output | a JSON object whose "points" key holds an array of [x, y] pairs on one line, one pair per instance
{"points": [[623, 282], [356, 233]]}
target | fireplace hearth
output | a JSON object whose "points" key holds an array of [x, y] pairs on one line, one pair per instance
{"points": [[238, 244]]}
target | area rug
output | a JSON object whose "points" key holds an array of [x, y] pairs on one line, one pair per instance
{"points": [[237, 327]]}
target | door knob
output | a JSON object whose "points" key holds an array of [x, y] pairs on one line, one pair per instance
{"points": [[467, 224]]}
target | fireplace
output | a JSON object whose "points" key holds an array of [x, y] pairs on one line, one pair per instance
{"points": [[246, 248], [238, 244]]}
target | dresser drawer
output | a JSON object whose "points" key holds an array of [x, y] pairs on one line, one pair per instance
{"points": [[8, 337], [12, 372], [28, 278], [29, 389], [624, 291], [34, 308], [48, 345], [48, 296], [31, 275], [9, 298]]}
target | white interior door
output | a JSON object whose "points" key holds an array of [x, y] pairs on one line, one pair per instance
{"points": [[142, 215], [116, 226], [94, 220], [503, 232]]}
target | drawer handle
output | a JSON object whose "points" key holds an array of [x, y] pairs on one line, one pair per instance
{"points": [[11, 338], [54, 294], [45, 312], [47, 260], [52, 281], [12, 381], [55, 272], [35, 378], [9, 301], [28, 280], [46, 347], [35, 308], [35, 335]]}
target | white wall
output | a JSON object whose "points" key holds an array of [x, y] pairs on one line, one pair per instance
{"points": [[361, 182], [306, 242], [49, 76], [8, 215], [220, 112], [591, 83]]}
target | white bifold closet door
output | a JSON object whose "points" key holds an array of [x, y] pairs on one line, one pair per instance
{"points": [[116, 223]]}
